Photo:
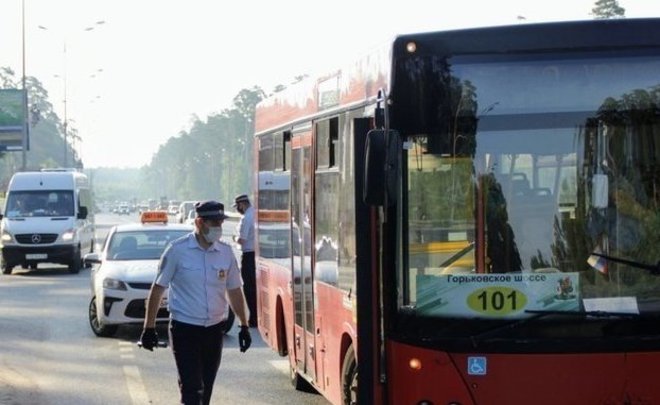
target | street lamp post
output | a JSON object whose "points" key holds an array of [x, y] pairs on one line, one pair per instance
{"points": [[25, 95], [65, 124]]}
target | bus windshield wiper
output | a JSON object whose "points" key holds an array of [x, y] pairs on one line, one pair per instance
{"points": [[536, 314], [654, 269], [457, 255]]}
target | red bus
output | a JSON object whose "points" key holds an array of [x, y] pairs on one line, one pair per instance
{"points": [[469, 217]]}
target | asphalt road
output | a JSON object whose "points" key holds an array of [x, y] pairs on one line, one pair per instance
{"points": [[49, 355]]}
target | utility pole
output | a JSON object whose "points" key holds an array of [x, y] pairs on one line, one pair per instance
{"points": [[26, 126]]}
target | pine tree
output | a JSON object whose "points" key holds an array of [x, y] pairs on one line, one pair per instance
{"points": [[605, 9]]}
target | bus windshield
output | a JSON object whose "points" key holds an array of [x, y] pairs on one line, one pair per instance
{"points": [[545, 166]]}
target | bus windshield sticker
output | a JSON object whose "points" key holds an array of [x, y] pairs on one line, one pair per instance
{"points": [[622, 305], [496, 295]]}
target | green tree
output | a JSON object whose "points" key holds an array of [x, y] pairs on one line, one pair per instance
{"points": [[605, 9]]}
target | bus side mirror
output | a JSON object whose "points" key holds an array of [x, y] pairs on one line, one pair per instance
{"points": [[382, 151], [82, 212]]}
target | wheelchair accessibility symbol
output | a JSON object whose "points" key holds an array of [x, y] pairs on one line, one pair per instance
{"points": [[477, 366]]}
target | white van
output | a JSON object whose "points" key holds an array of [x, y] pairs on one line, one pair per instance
{"points": [[48, 218]]}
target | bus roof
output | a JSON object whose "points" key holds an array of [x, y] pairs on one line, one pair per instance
{"points": [[358, 83]]}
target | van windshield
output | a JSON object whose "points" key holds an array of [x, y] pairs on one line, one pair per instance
{"points": [[41, 203]]}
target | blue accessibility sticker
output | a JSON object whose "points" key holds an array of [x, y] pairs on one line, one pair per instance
{"points": [[477, 365]]}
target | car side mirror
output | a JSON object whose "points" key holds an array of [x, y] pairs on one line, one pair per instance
{"points": [[91, 258], [82, 213]]}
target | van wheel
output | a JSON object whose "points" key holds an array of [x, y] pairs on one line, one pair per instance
{"points": [[76, 264], [95, 323], [6, 268]]}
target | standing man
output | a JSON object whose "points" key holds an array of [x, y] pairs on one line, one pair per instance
{"points": [[202, 274], [245, 239]]}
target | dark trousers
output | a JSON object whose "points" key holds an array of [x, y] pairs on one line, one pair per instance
{"points": [[197, 352], [248, 273]]}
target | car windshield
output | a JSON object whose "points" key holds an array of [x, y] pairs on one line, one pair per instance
{"points": [[141, 244]]}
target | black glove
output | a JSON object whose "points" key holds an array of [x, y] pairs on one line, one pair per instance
{"points": [[149, 339], [244, 338]]}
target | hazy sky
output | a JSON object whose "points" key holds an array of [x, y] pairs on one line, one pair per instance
{"points": [[164, 61]]}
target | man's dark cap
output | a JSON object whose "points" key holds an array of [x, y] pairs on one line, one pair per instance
{"points": [[210, 210], [239, 199]]}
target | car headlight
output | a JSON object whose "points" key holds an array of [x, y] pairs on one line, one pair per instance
{"points": [[114, 284], [69, 235]]}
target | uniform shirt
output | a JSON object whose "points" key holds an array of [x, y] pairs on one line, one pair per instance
{"points": [[246, 230], [197, 280]]}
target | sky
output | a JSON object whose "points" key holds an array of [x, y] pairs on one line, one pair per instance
{"points": [[148, 67]]}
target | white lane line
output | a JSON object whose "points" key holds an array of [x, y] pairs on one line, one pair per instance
{"points": [[135, 386], [280, 365]]}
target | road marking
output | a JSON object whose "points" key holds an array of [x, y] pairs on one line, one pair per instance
{"points": [[280, 365], [135, 385]]}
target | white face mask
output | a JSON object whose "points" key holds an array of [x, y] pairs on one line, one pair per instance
{"points": [[214, 233]]}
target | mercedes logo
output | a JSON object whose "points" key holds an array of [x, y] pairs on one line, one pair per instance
{"points": [[36, 238]]}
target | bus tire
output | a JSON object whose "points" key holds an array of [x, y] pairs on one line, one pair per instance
{"points": [[349, 378], [280, 325]]}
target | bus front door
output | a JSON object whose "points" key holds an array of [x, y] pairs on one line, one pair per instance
{"points": [[301, 200]]}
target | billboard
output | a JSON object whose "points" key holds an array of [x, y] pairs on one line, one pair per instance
{"points": [[12, 116]]}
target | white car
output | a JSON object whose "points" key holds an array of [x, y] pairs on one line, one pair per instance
{"points": [[125, 269]]}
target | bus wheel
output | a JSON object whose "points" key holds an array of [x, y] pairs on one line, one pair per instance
{"points": [[349, 378]]}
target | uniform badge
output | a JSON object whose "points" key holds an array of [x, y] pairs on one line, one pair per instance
{"points": [[222, 274]]}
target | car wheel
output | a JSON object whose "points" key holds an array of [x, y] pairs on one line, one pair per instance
{"points": [[95, 323], [226, 325]]}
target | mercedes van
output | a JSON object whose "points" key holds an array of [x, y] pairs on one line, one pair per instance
{"points": [[48, 218]]}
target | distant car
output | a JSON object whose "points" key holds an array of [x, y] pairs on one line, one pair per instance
{"points": [[123, 210], [184, 210], [173, 207], [125, 269]]}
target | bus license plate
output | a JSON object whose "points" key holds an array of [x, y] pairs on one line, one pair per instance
{"points": [[36, 256]]}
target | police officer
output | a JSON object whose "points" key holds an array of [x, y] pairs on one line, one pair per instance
{"points": [[201, 273], [245, 239]]}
